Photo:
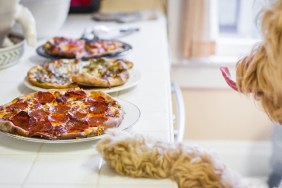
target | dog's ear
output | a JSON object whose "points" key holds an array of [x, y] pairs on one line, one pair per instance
{"points": [[251, 76]]}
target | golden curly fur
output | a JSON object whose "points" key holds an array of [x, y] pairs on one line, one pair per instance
{"points": [[191, 167], [260, 72]]}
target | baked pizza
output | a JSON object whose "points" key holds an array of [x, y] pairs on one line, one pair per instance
{"points": [[54, 75], [103, 73], [102, 47], [71, 73], [79, 48], [61, 114], [65, 47]]}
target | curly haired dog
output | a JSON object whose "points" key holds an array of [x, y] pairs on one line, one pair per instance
{"points": [[191, 167], [260, 72]]}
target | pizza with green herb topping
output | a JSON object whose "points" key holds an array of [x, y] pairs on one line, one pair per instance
{"points": [[72, 73]]}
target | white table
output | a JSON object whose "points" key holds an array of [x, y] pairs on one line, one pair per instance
{"points": [[31, 165]]}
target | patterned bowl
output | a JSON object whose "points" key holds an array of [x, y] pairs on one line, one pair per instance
{"points": [[12, 51]]}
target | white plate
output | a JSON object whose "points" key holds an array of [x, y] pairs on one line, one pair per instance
{"points": [[132, 115], [133, 80]]}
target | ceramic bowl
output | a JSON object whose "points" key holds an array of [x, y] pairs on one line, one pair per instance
{"points": [[12, 51]]}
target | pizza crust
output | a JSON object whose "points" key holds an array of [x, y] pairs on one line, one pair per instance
{"points": [[84, 134], [9, 127]]}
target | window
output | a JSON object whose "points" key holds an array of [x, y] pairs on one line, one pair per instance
{"points": [[236, 27], [239, 25], [239, 18]]}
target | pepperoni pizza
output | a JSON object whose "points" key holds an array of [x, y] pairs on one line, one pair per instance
{"points": [[61, 114]]}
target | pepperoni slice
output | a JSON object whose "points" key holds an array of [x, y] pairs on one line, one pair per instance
{"points": [[79, 114], [58, 118], [44, 97], [60, 108], [96, 121], [95, 98], [77, 124], [75, 94], [100, 98], [43, 126], [99, 107], [20, 104], [59, 130], [22, 120], [39, 114]]}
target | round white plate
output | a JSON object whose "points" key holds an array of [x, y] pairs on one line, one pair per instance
{"points": [[131, 116], [134, 78]]}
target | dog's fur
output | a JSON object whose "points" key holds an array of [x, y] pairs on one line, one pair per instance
{"points": [[191, 167], [260, 72]]}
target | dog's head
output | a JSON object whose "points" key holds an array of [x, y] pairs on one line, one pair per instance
{"points": [[260, 72]]}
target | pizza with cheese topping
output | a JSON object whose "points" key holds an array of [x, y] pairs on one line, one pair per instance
{"points": [[71, 73], [54, 75], [102, 47], [61, 114], [64, 47], [103, 73]]}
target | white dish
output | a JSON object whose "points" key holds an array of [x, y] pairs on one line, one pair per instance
{"points": [[133, 80], [132, 115]]}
